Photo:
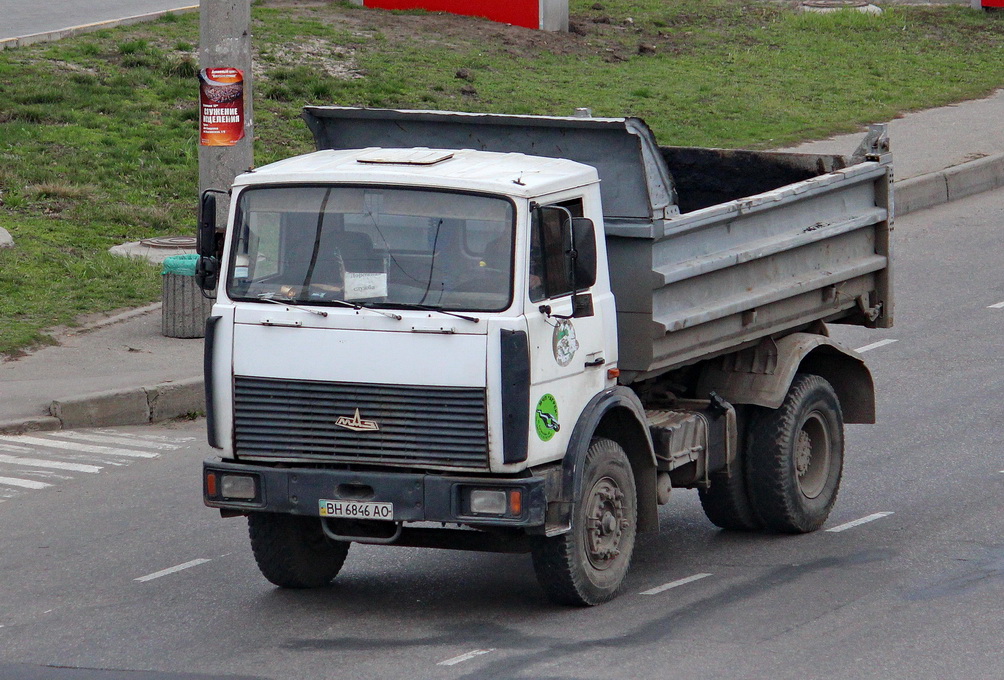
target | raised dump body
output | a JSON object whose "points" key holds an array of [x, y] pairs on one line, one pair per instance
{"points": [[710, 250]]}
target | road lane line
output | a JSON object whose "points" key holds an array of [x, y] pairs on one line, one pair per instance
{"points": [[875, 345], [145, 437], [79, 448], [464, 657], [119, 441], [55, 465], [999, 305], [674, 584], [23, 483], [171, 570], [858, 522]]}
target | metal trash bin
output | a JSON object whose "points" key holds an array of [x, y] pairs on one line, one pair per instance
{"points": [[185, 309]]}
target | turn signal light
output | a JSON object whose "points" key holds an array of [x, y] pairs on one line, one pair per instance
{"points": [[211, 484], [516, 502]]}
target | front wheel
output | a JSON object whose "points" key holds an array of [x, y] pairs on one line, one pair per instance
{"points": [[797, 457], [293, 552], [587, 565]]}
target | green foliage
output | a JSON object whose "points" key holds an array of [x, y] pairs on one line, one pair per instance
{"points": [[98, 133]]}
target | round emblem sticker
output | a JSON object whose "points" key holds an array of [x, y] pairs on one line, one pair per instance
{"points": [[564, 343], [546, 418]]}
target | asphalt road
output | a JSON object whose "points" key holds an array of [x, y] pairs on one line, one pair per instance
{"points": [[122, 568], [26, 17]]}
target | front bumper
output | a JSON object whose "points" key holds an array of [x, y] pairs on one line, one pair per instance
{"points": [[417, 497]]}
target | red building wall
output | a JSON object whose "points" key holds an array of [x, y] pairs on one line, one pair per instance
{"points": [[517, 12]]}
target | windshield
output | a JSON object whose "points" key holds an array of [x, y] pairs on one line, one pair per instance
{"points": [[376, 247]]}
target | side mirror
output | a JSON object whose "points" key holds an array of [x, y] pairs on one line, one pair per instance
{"points": [[206, 238], [584, 240], [207, 272], [207, 269]]}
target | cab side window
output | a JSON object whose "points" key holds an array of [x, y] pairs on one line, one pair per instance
{"points": [[550, 266]]}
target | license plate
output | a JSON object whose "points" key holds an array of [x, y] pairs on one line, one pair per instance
{"points": [[356, 509]]}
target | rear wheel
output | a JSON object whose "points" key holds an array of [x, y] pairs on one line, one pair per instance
{"points": [[796, 458], [726, 501], [587, 565], [293, 552]]}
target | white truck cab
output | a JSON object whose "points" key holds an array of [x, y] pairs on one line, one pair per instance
{"points": [[398, 274]]}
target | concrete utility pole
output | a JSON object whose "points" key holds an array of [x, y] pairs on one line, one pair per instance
{"points": [[225, 41]]}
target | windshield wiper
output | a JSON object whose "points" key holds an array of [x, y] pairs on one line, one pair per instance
{"points": [[434, 308], [267, 297]]}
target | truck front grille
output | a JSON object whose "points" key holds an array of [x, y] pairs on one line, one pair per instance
{"points": [[440, 427]]}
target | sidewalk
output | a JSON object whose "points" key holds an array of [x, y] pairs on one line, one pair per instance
{"points": [[123, 371], [118, 371]]}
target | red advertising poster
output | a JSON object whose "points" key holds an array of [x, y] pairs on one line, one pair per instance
{"points": [[516, 12], [221, 106]]}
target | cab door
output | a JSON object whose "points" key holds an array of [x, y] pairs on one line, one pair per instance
{"points": [[565, 337]]}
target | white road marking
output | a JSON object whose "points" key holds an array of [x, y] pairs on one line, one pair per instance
{"points": [[464, 657], [15, 449], [999, 305], [23, 483], [145, 437], [674, 584], [107, 439], [171, 570], [875, 345], [55, 465], [858, 522], [80, 448]]}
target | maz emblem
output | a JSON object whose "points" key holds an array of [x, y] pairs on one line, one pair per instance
{"points": [[357, 424]]}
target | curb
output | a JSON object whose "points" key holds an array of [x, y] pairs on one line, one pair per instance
{"points": [[51, 36], [131, 406], [950, 184]]}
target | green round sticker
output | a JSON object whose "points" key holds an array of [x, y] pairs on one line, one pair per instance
{"points": [[546, 418]]}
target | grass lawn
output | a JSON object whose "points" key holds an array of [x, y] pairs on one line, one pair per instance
{"points": [[98, 138]]}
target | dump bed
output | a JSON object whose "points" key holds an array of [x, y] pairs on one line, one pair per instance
{"points": [[739, 245]]}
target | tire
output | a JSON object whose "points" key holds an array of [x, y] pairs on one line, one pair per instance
{"points": [[293, 552], [726, 501], [587, 565], [796, 458]]}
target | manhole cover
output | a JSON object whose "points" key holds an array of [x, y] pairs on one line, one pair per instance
{"points": [[169, 242]]}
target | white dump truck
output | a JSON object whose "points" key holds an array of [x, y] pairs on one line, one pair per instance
{"points": [[519, 333]]}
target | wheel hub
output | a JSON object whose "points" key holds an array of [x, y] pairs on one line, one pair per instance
{"points": [[605, 523], [803, 453], [812, 455]]}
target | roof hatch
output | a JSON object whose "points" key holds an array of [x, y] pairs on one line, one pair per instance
{"points": [[405, 156]]}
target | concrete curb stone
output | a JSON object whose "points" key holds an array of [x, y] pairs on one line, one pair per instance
{"points": [[920, 192], [134, 406], [102, 409], [950, 184], [176, 399], [25, 425], [974, 177]]}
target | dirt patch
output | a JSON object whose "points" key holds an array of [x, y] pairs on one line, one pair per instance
{"points": [[337, 61], [588, 35]]}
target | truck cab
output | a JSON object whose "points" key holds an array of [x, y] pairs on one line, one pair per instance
{"points": [[433, 314]]}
